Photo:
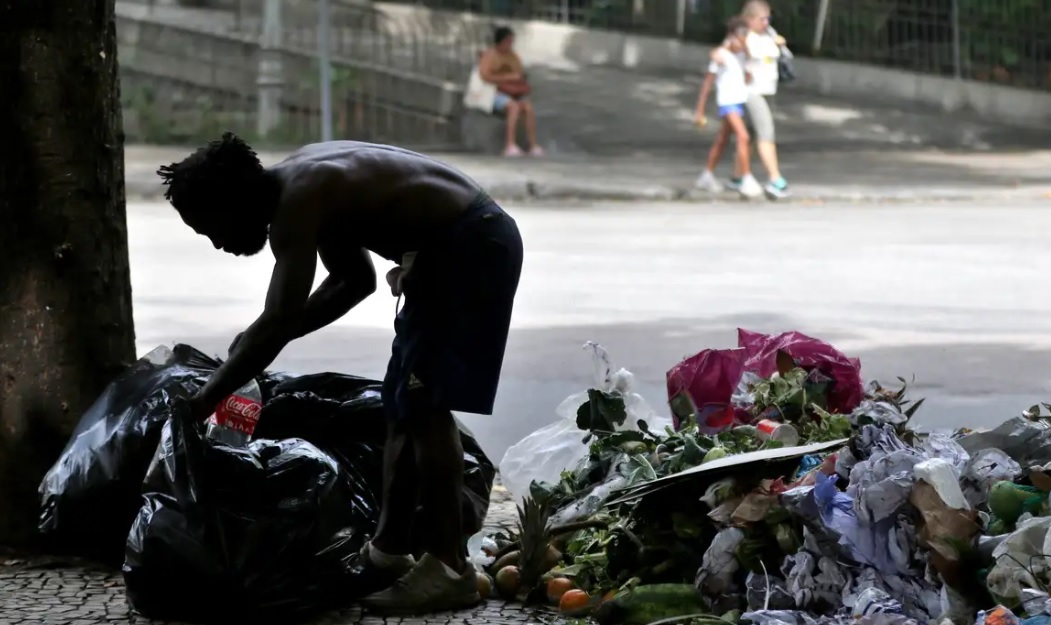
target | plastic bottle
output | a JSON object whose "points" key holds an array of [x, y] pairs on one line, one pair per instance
{"points": [[236, 416]]}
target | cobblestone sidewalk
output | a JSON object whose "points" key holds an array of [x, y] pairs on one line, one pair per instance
{"points": [[64, 592]]}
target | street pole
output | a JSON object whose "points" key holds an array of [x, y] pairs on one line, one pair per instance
{"points": [[956, 52], [819, 27], [269, 78], [680, 19], [325, 60]]}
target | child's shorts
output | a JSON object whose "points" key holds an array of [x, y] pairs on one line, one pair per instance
{"points": [[729, 109]]}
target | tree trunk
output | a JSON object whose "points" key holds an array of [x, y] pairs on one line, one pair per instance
{"points": [[65, 291]]}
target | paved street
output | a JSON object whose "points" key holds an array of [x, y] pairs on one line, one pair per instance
{"points": [[951, 293], [50, 591]]}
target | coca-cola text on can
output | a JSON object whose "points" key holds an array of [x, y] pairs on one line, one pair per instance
{"points": [[239, 413]]}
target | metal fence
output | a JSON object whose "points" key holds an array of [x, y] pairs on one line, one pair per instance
{"points": [[190, 74], [1002, 41]]}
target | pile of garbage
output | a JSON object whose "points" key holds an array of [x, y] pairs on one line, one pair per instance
{"points": [[782, 492], [208, 531]]}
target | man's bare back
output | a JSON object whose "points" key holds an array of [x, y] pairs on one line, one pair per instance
{"points": [[382, 198]]}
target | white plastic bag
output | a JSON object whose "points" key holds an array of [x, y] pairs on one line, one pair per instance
{"points": [[543, 455], [939, 473], [479, 547]]}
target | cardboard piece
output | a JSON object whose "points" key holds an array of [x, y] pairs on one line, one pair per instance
{"points": [[715, 469]]}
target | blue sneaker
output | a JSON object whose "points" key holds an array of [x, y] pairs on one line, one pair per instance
{"points": [[776, 189]]}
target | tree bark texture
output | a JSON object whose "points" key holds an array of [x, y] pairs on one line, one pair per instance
{"points": [[65, 291]]}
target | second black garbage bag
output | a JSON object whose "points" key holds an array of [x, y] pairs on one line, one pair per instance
{"points": [[343, 415], [258, 533], [271, 531]]}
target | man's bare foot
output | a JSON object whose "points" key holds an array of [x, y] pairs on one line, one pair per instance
{"points": [[512, 151], [536, 151]]}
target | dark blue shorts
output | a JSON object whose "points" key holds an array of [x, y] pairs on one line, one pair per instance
{"points": [[451, 332]]}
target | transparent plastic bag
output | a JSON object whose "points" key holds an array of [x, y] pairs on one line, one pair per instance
{"points": [[589, 505], [479, 548], [1020, 561], [543, 455]]}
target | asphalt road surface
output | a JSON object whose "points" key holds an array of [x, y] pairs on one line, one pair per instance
{"points": [[954, 295]]}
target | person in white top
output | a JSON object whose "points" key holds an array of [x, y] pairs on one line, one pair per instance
{"points": [[726, 71], [765, 48]]}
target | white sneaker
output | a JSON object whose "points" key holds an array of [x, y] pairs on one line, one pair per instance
{"points": [[750, 187], [430, 586], [708, 182]]}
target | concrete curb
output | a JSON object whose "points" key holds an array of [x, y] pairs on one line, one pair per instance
{"points": [[523, 189]]}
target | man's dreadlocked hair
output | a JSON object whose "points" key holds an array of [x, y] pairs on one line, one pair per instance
{"points": [[212, 175]]}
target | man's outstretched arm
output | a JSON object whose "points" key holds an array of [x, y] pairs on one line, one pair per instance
{"points": [[295, 251], [336, 295]]}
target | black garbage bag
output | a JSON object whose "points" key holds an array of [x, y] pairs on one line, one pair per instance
{"points": [[92, 493], [343, 415], [260, 533]]}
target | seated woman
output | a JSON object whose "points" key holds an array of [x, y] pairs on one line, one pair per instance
{"points": [[500, 67]]}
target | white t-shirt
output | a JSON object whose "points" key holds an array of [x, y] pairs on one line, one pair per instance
{"points": [[763, 53], [730, 87]]}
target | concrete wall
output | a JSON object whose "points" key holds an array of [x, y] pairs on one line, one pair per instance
{"points": [[543, 42], [198, 77]]}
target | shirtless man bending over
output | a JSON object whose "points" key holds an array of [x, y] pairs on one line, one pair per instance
{"points": [[459, 256]]}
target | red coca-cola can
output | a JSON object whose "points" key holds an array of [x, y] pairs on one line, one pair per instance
{"points": [[239, 413], [770, 430]]}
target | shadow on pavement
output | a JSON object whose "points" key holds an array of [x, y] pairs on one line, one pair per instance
{"points": [[601, 109], [599, 112]]}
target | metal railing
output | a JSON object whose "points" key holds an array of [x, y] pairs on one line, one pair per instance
{"points": [[1001, 41], [190, 74]]}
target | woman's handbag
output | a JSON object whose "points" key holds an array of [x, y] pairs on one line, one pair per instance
{"points": [[786, 72], [515, 88]]}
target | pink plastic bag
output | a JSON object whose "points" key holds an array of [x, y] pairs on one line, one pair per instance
{"points": [[704, 383], [808, 353]]}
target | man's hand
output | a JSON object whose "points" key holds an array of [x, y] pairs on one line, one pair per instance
{"points": [[779, 40], [700, 118], [233, 345], [200, 409]]}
